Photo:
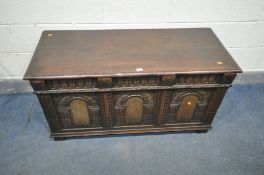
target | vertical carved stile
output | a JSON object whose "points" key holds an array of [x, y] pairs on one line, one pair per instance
{"points": [[106, 109], [106, 82], [163, 103]]}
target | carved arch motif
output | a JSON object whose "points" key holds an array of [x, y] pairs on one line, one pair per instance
{"points": [[120, 107], [66, 115], [146, 97], [201, 95], [179, 97], [65, 101]]}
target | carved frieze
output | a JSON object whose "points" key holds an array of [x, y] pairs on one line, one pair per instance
{"points": [[104, 82], [199, 79], [128, 83], [136, 81], [72, 84]]}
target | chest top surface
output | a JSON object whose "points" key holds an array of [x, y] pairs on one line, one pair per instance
{"points": [[100, 53]]}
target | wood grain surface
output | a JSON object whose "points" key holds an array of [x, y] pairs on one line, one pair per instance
{"points": [[102, 53]]}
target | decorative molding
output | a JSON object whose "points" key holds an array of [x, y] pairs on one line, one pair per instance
{"points": [[195, 86], [132, 83]]}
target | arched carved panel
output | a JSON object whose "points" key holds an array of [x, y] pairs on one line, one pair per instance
{"points": [[186, 109], [78, 110], [80, 113], [187, 106], [134, 108]]}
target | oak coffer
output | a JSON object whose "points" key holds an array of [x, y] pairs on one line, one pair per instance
{"points": [[99, 82]]}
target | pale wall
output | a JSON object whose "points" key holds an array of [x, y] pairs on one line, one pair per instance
{"points": [[238, 23]]}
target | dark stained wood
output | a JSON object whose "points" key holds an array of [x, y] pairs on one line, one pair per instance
{"points": [[130, 81], [75, 54], [106, 109], [162, 107]]}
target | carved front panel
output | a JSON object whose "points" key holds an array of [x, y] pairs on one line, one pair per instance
{"points": [[188, 105], [126, 104], [78, 110], [134, 108]]}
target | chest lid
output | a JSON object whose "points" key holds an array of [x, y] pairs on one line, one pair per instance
{"points": [[134, 52]]}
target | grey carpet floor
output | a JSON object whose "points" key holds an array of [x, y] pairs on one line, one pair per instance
{"points": [[234, 146]]}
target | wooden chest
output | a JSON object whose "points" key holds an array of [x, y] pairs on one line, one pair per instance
{"points": [[130, 81]]}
